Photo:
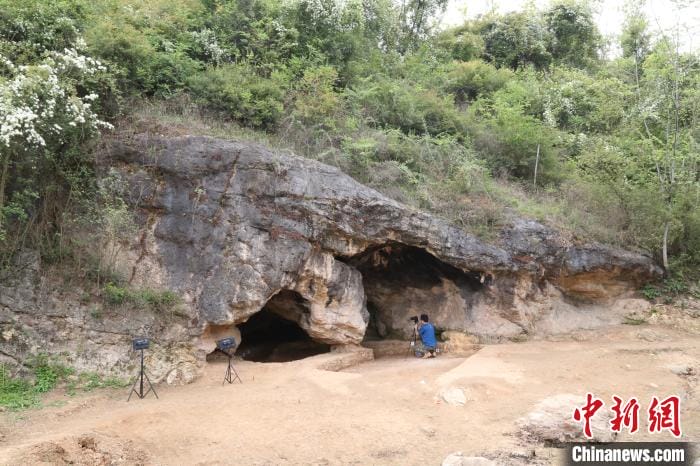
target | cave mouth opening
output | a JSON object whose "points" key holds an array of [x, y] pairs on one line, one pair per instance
{"points": [[273, 334], [401, 281]]}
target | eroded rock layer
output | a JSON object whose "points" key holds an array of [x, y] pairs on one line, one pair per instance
{"points": [[230, 225]]}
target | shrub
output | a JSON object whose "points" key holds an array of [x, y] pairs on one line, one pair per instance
{"points": [[650, 292], [515, 40], [460, 43], [157, 300], [423, 170], [153, 45], [468, 80], [315, 101], [507, 135], [241, 94], [574, 101], [114, 294], [413, 110], [47, 373], [31, 28], [15, 393], [142, 67], [47, 111], [88, 381], [127, 48]]}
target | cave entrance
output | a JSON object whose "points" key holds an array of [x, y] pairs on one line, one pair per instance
{"points": [[401, 281], [273, 334]]}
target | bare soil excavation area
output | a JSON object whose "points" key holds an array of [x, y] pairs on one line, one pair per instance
{"points": [[386, 411]]}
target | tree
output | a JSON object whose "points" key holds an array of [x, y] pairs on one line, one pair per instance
{"points": [[461, 43], [416, 20], [577, 102], [667, 113], [635, 38], [515, 40], [469, 80], [575, 39]]}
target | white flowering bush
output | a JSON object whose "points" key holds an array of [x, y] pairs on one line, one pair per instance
{"points": [[39, 103], [207, 42], [42, 114]]}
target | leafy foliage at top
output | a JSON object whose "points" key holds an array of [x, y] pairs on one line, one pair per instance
{"points": [[518, 111]]}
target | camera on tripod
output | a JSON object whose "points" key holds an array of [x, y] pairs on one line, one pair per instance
{"points": [[412, 343]]}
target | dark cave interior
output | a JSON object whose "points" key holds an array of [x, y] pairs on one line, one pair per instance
{"points": [[389, 270], [273, 335]]}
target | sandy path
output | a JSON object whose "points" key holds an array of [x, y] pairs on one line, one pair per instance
{"points": [[381, 412]]}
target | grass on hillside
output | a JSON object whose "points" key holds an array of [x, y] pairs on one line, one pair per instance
{"points": [[490, 203]]}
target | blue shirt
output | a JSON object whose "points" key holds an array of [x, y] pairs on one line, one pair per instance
{"points": [[427, 335]]}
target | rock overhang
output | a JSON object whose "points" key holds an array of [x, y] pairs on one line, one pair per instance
{"points": [[234, 223]]}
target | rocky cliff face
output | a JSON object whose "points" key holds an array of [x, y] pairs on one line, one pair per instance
{"points": [[233, 226], [230, 225]]}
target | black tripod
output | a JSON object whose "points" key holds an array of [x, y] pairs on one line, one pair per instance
{"points": [[230, 370], [412, 343], [139, 380]]}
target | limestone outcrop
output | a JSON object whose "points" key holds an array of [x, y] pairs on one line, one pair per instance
{"points": [[229, 225], [234, 227]]}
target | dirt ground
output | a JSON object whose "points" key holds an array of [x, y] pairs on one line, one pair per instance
{"points": [[386, 411]]}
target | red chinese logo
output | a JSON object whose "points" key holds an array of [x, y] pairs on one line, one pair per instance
{"points": [[592, 405], [663, 415], [627, 416]]}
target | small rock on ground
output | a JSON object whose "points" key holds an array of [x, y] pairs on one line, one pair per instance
{"points": [[453, 396], [458, 459]]}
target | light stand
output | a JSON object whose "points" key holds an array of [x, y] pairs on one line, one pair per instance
{"points": [[230, 370], [224, 346], [140, 344]]}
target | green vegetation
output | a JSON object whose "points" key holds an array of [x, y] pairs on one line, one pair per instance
{"points": [[680, 283], [20, 393], [240, 94], [153, 299], [16, 393], [89, 381], [508, 113]]}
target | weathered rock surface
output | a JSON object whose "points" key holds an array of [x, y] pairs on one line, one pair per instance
{"points": [[551, 422], [344, 356], [459, 343], [41, 316], [453, 396], [229, 226]]}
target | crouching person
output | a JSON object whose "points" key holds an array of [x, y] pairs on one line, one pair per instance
{"points": [[427, 338]]}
